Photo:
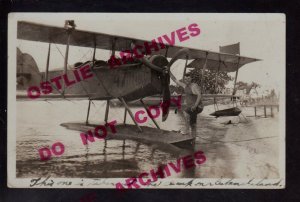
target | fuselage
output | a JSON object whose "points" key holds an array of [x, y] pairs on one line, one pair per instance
{"points": [[132, 81]]}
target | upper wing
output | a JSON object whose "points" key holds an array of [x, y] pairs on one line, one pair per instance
{"points": [[51, 34]]}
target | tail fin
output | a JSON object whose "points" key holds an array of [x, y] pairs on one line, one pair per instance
{"points": [[28, 73]]}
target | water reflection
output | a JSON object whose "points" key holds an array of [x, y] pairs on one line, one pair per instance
{"points": [[106, 158]]}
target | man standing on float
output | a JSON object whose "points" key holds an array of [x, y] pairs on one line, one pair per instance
{"points": [[192, 104]]}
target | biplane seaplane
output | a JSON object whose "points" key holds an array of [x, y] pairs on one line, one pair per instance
{"points": [[132, 80]]}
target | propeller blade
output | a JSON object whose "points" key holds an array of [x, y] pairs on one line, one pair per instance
{"points": [[166, 82], [159, 64]]}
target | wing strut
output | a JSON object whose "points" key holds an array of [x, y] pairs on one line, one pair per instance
{"points": [[234, 87], [216, 84], [88, 113], [125, 114], [94, 53], [66, 61], [69, 26], [236, 75], [106, 111], [113, 46], [217, 73], [47, 64]]}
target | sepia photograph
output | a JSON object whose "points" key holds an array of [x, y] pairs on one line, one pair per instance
{"points": [[146, 100]]}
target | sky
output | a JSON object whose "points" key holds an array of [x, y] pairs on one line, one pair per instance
{"points": [[261, 36]]}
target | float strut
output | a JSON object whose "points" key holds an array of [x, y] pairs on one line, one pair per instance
{"points": [[130, 113], [149, 113]]}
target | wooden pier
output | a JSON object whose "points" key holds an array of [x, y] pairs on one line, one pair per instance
{"points": [[265, 106]]}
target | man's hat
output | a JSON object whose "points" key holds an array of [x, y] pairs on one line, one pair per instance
{"points": [[188, 74]]}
